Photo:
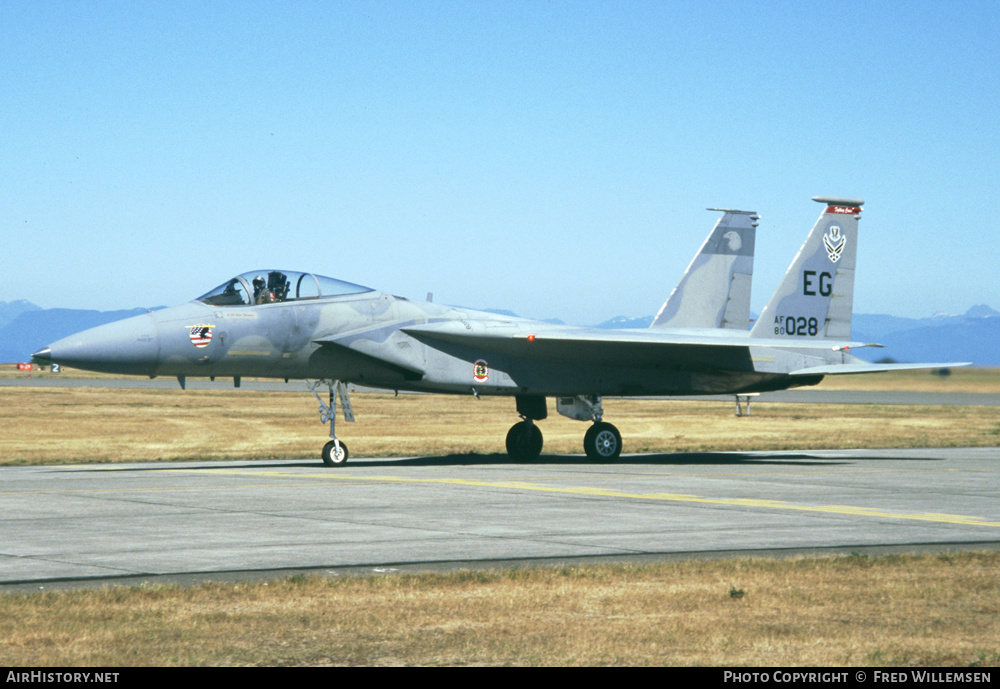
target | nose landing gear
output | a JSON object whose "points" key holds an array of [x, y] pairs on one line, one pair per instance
{"points": [[334, 452]]}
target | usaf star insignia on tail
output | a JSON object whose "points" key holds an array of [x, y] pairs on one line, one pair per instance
{"points": [[287, 324]]}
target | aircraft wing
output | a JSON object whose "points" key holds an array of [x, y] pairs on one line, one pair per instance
{"points": [[584, 347], [716, 349], [701, 349]]}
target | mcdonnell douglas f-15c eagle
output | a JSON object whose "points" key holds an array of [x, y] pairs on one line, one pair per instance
{"points": [[285, 324]]}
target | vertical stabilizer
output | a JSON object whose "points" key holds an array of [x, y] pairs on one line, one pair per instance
{"points": [[816, 297], [714, 291]]}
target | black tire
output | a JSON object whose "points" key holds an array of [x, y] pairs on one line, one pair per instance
{"points": [[333, 459], [602, 442], [524, 442]]}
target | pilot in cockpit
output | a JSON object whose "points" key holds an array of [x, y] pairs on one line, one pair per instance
{"points": [[258, 290], [277, 285], [274, 290]]}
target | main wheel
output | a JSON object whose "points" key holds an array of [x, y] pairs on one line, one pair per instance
{"points": [[332, 456], [602, 442], [524, 441]]}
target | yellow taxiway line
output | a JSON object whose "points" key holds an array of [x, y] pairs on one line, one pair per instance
{"points": [[607, 493]]}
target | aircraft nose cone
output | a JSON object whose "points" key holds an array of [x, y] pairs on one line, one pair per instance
{"points": [[127, 346], [43, 355]]}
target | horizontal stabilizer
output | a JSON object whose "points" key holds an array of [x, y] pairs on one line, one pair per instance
{"points": [[842, 369]]}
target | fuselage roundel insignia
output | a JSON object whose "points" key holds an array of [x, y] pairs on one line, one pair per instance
{"points": [[201, 335], [481, 371]]}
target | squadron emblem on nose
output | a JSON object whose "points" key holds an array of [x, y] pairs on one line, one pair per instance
{"points": [[201, 335]]}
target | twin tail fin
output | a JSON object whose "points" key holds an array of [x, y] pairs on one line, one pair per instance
{"points": [[714, 291], [816, 297]]}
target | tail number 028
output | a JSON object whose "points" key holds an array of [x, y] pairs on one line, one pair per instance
{"points": [[796, 326]]}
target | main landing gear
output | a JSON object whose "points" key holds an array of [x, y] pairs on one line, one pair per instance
{"points": [[524, 439], [334, 452], [602, 441]]}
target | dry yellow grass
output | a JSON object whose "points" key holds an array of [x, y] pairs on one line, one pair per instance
{"points": [[970, 379], [66, 425], [834, 611]]}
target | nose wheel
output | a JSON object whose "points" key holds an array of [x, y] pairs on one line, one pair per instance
{"points": [[335, 453]]}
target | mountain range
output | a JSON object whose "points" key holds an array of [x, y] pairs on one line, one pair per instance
{"points": [[973, 336], [26, 328]]}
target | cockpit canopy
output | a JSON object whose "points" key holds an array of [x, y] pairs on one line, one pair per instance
{"points": [[271, 286]]}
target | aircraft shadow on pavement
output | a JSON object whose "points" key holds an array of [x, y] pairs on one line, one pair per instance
{"points": [[651, 459], [498, 459], [582, 461]]}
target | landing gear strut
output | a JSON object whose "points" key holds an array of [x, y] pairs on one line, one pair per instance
{"points": [[334, 452]]}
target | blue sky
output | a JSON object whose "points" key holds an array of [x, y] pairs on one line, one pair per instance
{"points": [[551, 158]]}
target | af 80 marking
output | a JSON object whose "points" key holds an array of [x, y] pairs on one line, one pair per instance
{"points": [[793, 326]]}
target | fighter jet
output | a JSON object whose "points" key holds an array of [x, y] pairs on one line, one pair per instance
{"points": [[293, 325]]}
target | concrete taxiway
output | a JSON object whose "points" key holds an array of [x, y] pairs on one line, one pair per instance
{"points": [[106, 522]]}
